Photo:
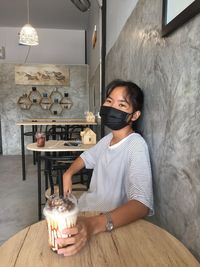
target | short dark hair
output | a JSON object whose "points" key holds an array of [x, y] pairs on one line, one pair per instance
{"points": [[135, 93]]}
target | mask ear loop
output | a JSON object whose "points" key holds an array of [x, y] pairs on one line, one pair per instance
{"points": [[127, 116]]}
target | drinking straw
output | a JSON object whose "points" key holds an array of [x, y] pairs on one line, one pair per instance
{"points": [[60, 181]]}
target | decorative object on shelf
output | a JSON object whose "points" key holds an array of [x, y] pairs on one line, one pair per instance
{"points": [[24, 102], [45, 102], [66, 102], [35, 96], [88, 137], [89, 116], [55, 103], [28, 35], [56, 109], [56, 96], [46, 74]]}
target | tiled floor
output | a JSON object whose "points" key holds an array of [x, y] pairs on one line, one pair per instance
{"points": [[18, 199]]}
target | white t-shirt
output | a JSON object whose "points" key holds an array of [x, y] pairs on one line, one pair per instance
{"points": [[121, 172]]}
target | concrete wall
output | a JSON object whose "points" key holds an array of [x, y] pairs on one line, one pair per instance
{"points": [[55, 47], [168, 70], [117, 14], [11, 113]]}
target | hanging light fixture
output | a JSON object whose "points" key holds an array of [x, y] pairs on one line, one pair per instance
{"points": [[28, 35]]}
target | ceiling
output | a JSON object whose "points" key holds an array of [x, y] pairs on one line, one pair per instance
{"points": [[53, 14]]}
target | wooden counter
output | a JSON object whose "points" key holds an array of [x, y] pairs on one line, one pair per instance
{"points": [[56, 121]]}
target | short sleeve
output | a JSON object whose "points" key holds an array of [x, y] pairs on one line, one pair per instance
{"points": [[139, 176], [91, 155]]}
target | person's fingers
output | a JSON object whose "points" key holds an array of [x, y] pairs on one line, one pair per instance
{"points": [[76, 241], [73, 249], [67, 191], [66, 241], [69, 236], [71, 231]]}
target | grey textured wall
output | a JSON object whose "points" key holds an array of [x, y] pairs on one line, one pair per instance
{"points": [[168, 70], [11, 113]]}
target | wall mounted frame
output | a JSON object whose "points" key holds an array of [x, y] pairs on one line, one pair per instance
{"points": [[45, 74], [186, 14]]}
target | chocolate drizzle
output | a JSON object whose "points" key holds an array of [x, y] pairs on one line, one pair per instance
{"points": [[60, 204]]}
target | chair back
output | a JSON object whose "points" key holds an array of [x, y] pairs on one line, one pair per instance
{"points": [[74, 132], [57, 132]]}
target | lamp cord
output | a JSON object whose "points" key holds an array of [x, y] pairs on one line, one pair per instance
{"points": [[29, 48], [28, 10]]}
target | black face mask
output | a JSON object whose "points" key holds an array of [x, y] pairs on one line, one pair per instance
{"points": [[113, 118]]}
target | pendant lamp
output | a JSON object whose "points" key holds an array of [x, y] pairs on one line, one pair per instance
{"points": [[28, 35]]}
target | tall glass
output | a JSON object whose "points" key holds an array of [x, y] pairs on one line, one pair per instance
{"points": [[60, 213], [40, 139]]}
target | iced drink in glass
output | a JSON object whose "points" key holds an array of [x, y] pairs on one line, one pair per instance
{"points": [[60, 213], [40, 138]]}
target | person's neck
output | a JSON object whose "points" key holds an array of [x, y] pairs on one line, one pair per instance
{"points": [[120, 134]]}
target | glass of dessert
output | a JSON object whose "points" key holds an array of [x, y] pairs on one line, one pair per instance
{"points": [[40, 138], [60, 213]]}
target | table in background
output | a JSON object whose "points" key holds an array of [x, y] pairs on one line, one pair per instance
{"points": [[52, 146], [140, 244], [41, 122]]}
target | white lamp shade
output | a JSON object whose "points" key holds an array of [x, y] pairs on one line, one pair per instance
{"points": [[28, 35]]}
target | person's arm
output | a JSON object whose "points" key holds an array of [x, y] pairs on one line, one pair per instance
{"points": [[76, 166], [125, 214], [88, 226]]}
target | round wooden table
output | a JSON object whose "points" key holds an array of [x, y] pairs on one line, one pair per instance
{"points": [[139, 244]]}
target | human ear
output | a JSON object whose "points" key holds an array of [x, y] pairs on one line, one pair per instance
{"points": [[136, 115]]}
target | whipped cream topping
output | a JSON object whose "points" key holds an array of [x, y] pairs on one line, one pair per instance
{"points": [[57, 205]]}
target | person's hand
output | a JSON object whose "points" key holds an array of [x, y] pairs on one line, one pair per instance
{"points": [[77, 237], [67, 183]]}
